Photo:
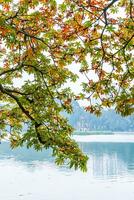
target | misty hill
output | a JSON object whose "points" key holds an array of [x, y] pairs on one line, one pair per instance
{"points": [[109, 121]]}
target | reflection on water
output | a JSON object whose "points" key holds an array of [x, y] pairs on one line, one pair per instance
{"points": [[105, 159], [110, 159], [108, 163]]}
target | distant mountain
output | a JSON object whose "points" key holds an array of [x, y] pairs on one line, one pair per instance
{"points": [[109, 121]]}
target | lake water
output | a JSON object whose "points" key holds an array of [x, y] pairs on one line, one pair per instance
{"points": [[28, 175]]}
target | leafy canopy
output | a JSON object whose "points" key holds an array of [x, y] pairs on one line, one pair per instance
{"points": [[42, 38]]}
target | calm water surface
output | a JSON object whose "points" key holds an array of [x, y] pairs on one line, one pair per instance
{"points": [[27, 175]]}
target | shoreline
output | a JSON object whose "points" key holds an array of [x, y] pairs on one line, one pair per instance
{"points": [[104, 138]]}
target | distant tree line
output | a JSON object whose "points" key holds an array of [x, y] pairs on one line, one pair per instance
{"points": [[108, 121]]}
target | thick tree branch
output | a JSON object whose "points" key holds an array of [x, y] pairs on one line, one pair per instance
{"points": [[26, 112]]}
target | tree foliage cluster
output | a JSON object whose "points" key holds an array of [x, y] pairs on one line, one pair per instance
{"points": [[42, 38]]}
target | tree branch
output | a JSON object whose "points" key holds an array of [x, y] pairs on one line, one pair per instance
{"points": [[26, 112]]}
